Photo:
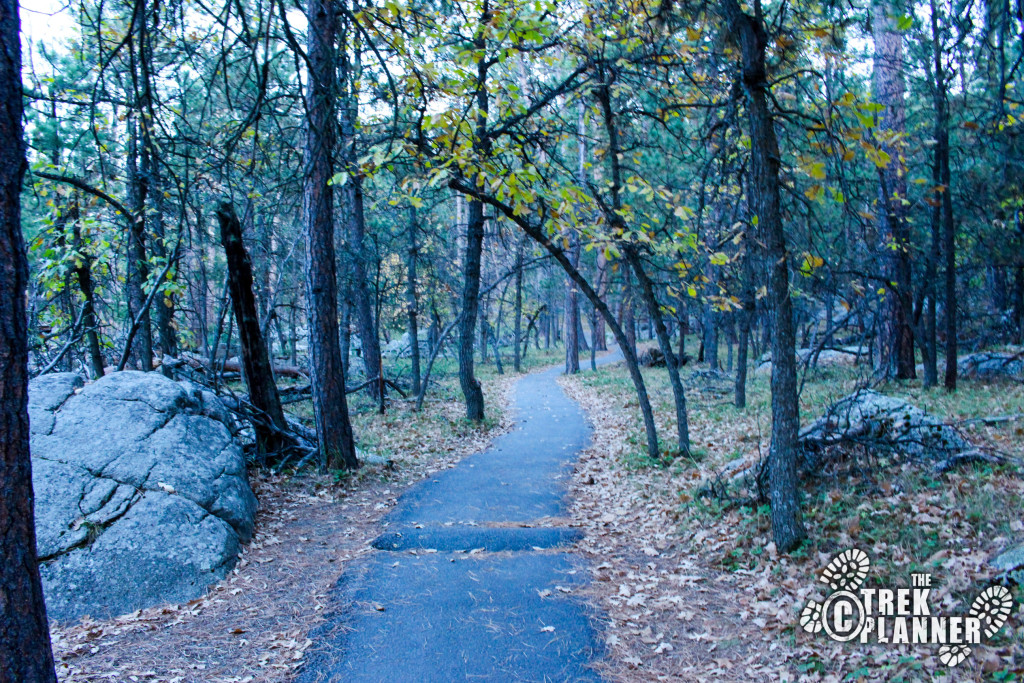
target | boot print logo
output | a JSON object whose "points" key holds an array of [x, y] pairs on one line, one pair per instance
{"points": [[899, 615]]}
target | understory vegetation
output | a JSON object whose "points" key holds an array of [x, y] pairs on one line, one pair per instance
{"points": [[907, 516]]}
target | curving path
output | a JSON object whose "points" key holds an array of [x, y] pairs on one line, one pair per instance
{"points": [[471, 579]]}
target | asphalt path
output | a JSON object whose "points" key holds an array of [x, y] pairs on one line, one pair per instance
{"points": [[472, 578]]}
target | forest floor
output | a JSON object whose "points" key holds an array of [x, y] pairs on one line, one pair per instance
{"points": [[690, 587], [253, 626], [693, 588]]}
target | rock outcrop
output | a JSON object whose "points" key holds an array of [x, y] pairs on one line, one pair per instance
{"points": [[141, 492]]}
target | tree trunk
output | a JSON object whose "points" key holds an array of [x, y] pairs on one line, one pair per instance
{"points": [[164, 304], [572, 306], [946, 202], [83, 274], [896, 353], [617, 224], [138, 270], [1018, 287], [471, 263], [471, 390], [746, 316], [539, 236], [710, 328], [628, 316], [518, 313], [327, 377], [360, 290], [665, 343], [787, 524], [256, 366], [413, 304], [601, 285], [25, 653]]}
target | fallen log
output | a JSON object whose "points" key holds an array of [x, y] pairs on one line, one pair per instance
{"points": [[293, 371]]}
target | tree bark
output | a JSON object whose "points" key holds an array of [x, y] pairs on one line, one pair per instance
{"points": [[896, 351], [946, 203], [327, 377], [256, 366], [601, 285], [360, 288], [746, 316], [471, 390], [83, 274], [518, 313], [138, 270], [412, 303], [471, 264], [787, 523], [572, 306], [25, 653]]}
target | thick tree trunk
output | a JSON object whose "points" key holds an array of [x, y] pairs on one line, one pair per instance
{"points": [[327, 376], [896, 352], [471, 390], [25, 653], [256, 366], [787, 523]]}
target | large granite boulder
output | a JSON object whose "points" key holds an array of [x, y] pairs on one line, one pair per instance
{"points": [[141, 492], [882, 423]]}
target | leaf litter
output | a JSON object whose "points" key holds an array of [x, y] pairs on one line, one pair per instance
{"points": [[702, 596], [254, 625]]}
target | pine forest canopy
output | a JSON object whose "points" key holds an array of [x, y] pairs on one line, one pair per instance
{"points": [[780, 175]]}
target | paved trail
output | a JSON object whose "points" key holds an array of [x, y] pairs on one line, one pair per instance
{"points": [[453, 616]]}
